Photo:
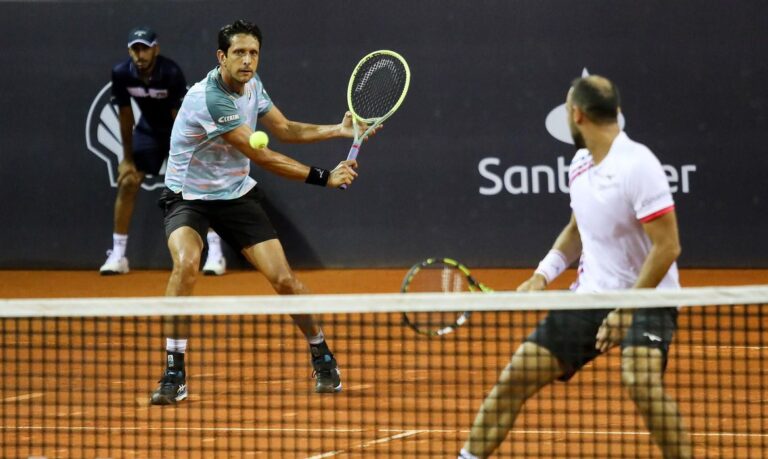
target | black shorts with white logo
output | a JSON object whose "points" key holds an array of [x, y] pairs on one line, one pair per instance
{"points": [[241, 222], [570, 334], [150, 149]]}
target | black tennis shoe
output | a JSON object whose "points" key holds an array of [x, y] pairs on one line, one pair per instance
{"points": [[172, 388], [326, 373]]}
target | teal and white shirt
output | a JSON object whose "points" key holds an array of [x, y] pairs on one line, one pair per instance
{"points": [[201, 164]]}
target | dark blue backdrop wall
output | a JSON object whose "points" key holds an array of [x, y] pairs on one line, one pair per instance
{"points": [[472, 166]]}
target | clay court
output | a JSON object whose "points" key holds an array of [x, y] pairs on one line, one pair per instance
{"points": [[404, 395]]}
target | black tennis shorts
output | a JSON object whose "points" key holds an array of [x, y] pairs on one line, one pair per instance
{"points": [[570, 334], [150, 149], [241, 222]]}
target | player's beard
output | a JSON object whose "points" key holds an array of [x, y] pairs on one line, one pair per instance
{"points": [[578, 139]]}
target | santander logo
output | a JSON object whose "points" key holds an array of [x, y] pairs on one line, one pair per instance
{"points": [[500, 175]]}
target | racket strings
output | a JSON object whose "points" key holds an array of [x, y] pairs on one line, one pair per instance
{"points": [[378, 85], [439, 279], [436, 278]]}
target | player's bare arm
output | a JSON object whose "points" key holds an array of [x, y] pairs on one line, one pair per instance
{"points": [[289, 131], [665, 248], [126, 166], [282, 165], [568, 243]]}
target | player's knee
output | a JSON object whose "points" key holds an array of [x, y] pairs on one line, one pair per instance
{"points": [[641, 385], [130, 183], [287, 284], [512, 383], [642, 372], [527, 372], [187, 266]]}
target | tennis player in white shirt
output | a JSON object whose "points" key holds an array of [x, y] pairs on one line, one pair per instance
{"points": [[623, 231]]}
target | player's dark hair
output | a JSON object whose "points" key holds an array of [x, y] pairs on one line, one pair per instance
{"points": [[597, 97], [230, 30]]}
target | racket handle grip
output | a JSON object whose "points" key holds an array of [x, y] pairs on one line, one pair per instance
{"points": [[353, 151], [351, 155]]}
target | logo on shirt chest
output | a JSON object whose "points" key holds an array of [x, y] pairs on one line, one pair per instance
{"points": [[597, 188], [152, 93], [605, 181], [226, 119]]}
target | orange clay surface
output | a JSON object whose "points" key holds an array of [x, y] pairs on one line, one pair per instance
{"points": [[79, 388]]}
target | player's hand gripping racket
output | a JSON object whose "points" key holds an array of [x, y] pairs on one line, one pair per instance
{"points": [[376, 90], [438, 275]]}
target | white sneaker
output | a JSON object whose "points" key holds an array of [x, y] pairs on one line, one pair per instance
{"points": [[215, 266], [114, 265]]}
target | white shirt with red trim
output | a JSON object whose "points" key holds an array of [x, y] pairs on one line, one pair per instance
{"points": [[611, 201]]}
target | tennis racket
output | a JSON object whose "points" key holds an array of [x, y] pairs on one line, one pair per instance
{"points": [[438, 275], [376, 90]]}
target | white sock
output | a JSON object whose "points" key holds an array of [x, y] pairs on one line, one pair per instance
{"points": [[214, 245], [178, 346], [119, 242], [317, 339], [464, 454]]}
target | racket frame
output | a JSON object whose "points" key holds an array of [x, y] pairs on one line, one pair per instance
{"points": [[374, 122], [461, 319]]}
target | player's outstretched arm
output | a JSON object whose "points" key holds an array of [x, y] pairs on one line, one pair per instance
{"points": [[288, 131], [126, 168], [665, 248], [287, 167], [566, 249]]}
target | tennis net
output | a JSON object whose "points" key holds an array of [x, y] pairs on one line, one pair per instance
{"points": [[76, 375]]}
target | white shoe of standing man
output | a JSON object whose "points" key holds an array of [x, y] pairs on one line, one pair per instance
{"points": [[115, 264], [215, 264]]}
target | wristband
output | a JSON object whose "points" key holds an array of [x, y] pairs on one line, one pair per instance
{"points": [[318, 176], [552, 265]]}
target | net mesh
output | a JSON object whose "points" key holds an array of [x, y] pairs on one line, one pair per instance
{"points": [[377, 86], [76, 377]]}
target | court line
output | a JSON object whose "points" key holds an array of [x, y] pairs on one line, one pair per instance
{"points": [[177, 429], [714, 346], [407, 433], [595, 432], [23, 397]]}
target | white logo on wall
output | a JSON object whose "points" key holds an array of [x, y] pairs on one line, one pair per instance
{"points": [[102, 135], [542, 178]]}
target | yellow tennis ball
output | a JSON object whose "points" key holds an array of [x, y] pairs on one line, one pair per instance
{"points": [[259, 139]]}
